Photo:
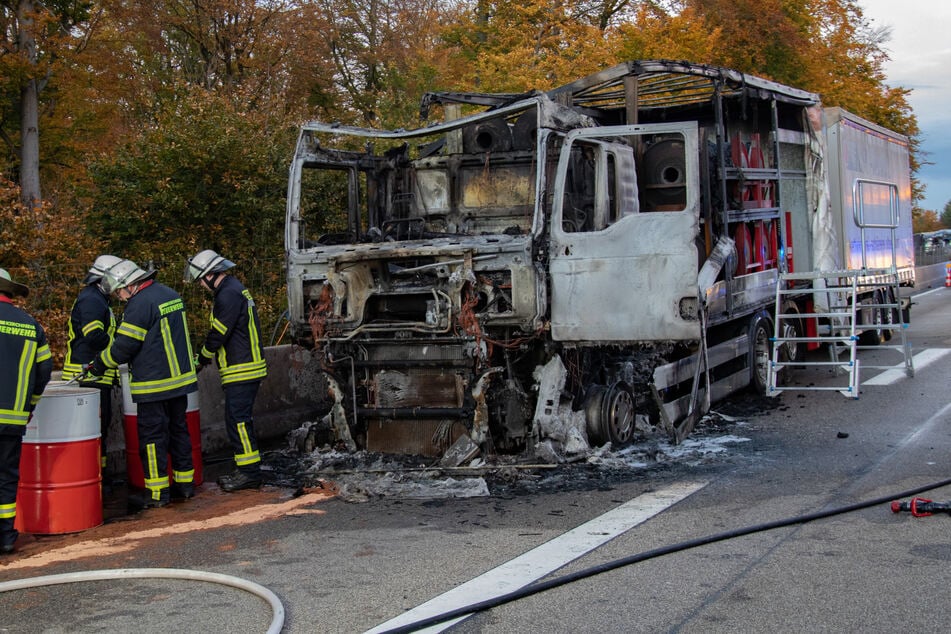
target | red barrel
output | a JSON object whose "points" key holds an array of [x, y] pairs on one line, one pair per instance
{"points": [[130, 423], [60, 487]]}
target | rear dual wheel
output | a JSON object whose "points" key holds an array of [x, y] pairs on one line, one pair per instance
{"points": [[760, 331]]}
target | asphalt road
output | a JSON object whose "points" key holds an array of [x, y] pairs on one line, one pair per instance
{"points": [[340, 566]]}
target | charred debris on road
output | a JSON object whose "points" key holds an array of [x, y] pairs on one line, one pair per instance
{"points": [[308, 461]]}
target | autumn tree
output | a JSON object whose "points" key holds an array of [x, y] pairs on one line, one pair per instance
{"points": [[946, 215], [824, 46], [206, 175], [37, 34], [385, 54], [510, 46], [925, 221]]}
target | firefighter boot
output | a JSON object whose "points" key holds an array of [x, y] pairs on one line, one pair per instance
{"points": [[182, 490], [8, 539], [239, 480], [147, 500]]}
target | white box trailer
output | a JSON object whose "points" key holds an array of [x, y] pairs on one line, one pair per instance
{"points": [[870, 196]]}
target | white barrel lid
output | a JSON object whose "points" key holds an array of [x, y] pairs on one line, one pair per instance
{"points": [[65, 413]]}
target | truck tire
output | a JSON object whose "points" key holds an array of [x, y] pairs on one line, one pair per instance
{"points": [[873, 336], [791, 351], [609, 414], [889, 316], [760, 331]]}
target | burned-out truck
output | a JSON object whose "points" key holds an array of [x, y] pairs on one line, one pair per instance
{"points": [[613, 248]]}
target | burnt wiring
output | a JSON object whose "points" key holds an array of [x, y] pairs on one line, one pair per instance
{"points": [[319, 313], [556, 582]]}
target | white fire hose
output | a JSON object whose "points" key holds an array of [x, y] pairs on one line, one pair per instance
{"points": [[277, 608]]}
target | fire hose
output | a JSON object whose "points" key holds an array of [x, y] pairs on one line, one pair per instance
{"points": [[277, 608], [541, 586]]}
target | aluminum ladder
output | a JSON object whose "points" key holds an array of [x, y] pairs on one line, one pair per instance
{"points": [[839, 289]]}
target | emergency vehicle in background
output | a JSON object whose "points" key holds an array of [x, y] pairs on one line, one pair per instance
{"points": [[642, 241]]}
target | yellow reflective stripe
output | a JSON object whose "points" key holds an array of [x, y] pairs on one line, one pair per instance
{"points": [[91, 326], [8, 511], [131, 330], [250, 374], [35, 398], [250, 456], [24, 369], [14, 417], [43, 353], [243, 435], [217, 325], [163, 385], [244, 371], [152, 462], [106, 357], [154, 482], [184, 476], [71, 370], [253, 333], [243, 460], [206, 354], [188, 341], [71, 330], [173, 368]]}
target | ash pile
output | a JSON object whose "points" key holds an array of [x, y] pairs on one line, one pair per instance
{"points": [[562, 460]]}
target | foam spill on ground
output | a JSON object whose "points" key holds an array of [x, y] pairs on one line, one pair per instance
{"points": [[128, 541]]}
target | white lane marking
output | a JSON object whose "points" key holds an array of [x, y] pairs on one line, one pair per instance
{"points": [[920, 360], [934, 290], [544, 559]]}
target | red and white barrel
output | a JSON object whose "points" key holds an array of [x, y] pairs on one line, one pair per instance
{"points": [[60, 487], [130, 423]]}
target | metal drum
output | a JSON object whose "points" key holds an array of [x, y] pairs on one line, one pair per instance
{"points": [[60, 481], [130, 423]]}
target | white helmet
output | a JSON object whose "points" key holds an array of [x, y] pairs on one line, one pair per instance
{"points": [[122, 274], [99, 267], [205, 262]]}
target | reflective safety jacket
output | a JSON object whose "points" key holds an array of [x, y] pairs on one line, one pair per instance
{"points": [[235, 335], [91, 328], [153, 339], [25, 366]]}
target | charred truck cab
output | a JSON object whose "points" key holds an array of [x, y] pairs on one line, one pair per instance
{"points": [[608, 249]]}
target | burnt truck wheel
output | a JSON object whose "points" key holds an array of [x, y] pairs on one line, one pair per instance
{"points": [[609, 412], [760, 332]]}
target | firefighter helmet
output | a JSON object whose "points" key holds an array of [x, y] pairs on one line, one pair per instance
{"points": [[204, 263], [98, 268], [122, 274], [11, 288]]}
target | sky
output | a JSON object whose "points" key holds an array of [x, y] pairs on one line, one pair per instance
{"points": [[920, 52]]}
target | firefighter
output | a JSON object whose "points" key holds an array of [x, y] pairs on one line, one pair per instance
{"points": [[25, 368], [153, 339], [90, 329], [234, 339]]}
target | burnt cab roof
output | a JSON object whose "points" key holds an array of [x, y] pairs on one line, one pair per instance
{"points": [[640, 85]]}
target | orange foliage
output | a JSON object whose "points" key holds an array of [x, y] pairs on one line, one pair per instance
{"points": [[46, 250]]}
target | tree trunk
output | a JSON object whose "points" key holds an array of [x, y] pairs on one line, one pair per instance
{"points": [[29, 145], [29, 108]]}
